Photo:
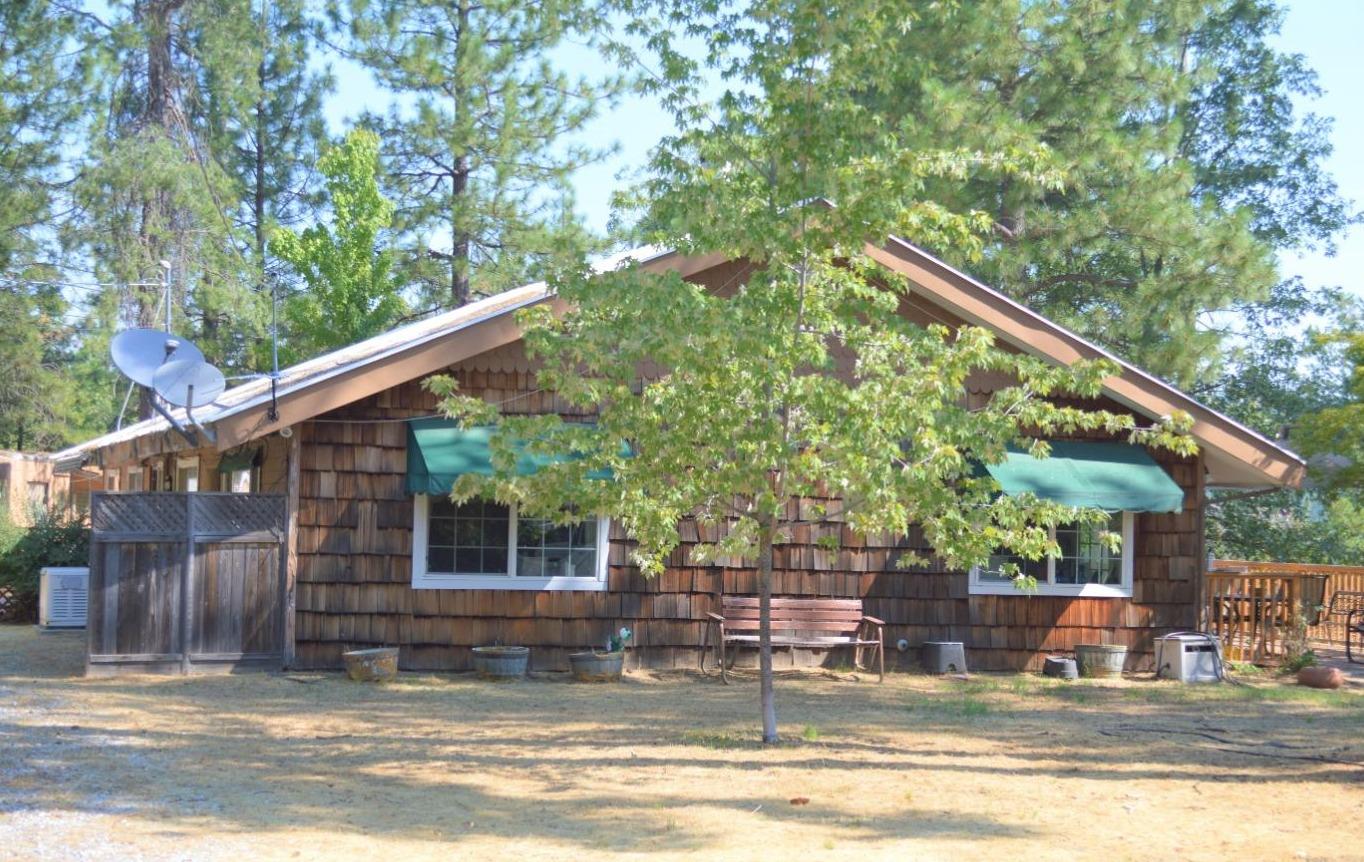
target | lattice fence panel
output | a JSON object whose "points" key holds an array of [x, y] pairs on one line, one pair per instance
{"points": [[140, 513], [237, 513]]}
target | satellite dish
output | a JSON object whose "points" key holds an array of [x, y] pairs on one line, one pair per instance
{"points": [[138, 353], [188, 382]]}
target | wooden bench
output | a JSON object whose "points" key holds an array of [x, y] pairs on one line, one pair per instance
{"points": [[819, 623]]}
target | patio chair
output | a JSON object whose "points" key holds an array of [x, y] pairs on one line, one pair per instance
{"points": [[1346, 608]]}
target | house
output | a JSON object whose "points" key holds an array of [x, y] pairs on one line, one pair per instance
{"points": [[372, 557], [29, 484]]}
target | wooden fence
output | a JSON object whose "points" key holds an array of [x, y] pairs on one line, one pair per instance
{"points": [[183, 582], [1262, 610]]}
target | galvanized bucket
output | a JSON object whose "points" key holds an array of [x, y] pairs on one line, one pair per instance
{"points": [[1100, 660], [597, 666], [501, 662]]}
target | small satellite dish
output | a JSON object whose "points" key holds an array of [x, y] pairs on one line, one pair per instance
{"points": [[188, 382], [138, 353]]}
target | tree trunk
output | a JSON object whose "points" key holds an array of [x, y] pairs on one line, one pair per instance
{"points": [[766, 533], [459, 249]]}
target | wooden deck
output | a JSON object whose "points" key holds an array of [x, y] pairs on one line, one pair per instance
{"points": [[1260, 609]]}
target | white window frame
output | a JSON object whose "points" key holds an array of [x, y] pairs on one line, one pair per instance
{"points": [[141, 479], [185, 464], [424, 580], [979, 587]]}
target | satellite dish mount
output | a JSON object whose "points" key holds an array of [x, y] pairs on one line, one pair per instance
{"points": [[175, 372]]}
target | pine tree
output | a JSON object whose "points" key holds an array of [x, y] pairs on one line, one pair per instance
{"points": [[39, 114], [262, 110], [1186, 166], [479, 149]]}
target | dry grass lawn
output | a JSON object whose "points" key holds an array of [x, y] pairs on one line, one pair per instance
{"points": [[663, 767]]}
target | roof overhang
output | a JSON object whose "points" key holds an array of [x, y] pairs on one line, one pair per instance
{"points": [[1235, 456]]}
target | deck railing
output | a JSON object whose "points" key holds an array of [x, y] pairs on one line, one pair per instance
{"points": [[1261, 611]]}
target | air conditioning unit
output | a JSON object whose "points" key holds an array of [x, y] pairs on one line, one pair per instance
{"points": [[1189, 657], [63, 593]]}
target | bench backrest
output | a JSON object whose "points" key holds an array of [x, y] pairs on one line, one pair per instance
{"points": [[1344, 601], [809, 615]]}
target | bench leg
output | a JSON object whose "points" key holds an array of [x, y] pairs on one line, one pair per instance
{"points": [[705, 643], [720, 645]]}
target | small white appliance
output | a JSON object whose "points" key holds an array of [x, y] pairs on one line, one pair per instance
{"points": [[63, 592], [1189, 657]]}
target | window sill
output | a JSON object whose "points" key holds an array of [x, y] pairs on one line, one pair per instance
{"points": [[1085, 591], [502, 582]]}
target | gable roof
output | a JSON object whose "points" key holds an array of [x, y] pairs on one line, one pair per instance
{"points": [[1236, 456]]}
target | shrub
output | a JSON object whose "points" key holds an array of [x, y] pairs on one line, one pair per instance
{"points": [[52, 540]]}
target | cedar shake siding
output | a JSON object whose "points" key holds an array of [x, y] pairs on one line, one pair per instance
{"points": [[354, 573]]}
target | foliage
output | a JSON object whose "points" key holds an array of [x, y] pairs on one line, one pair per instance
{"points": [[352, 292], [51, 540], [1338, 431], [800, 376], [617, 641], [482, 142], [1187, 164]]}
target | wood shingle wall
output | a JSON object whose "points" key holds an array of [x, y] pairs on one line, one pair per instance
{"points": [[354, 568]]}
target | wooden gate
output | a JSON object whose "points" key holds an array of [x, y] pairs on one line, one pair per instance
{"points": [[186, 582]]}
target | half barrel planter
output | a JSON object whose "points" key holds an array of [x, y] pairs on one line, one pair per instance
{"points": [[1102, 661], [595, 666], [501, 663]]}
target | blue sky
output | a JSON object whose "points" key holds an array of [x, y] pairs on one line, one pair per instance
{"points": [[1327, 32]]}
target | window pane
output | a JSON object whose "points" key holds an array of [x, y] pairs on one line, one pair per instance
{"points": [[440, 560], [530, 564], [1086, 558], [584, 564], [495, 561], [468, 560], [545, 549], [468, 538], [468, 531], [442, 531]]}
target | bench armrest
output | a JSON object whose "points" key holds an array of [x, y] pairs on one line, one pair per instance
{"points": [[716, 617], [873, 620]]}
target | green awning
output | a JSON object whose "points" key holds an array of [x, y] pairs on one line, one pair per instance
{"points": [[439, 451], [241, 459], [1111, 476]]}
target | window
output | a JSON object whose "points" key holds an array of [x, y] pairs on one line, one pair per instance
{"points": [[37, 495], [155, 478], [187, 474], [111, 480], [1086, 566], [480, 544], [242, 481], [134, 482]]}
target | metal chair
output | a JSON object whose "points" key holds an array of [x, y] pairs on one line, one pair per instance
{"points": [[1342, 607]]}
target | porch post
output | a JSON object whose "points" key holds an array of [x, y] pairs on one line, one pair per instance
{"points": [[291, 543]]}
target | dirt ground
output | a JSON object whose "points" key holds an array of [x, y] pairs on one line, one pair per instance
{"points": [[310, 766]]}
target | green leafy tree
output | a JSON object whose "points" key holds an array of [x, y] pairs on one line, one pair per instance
{"points": [[1284, 360], [804, 379], [481, 143], [351, 290]]}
